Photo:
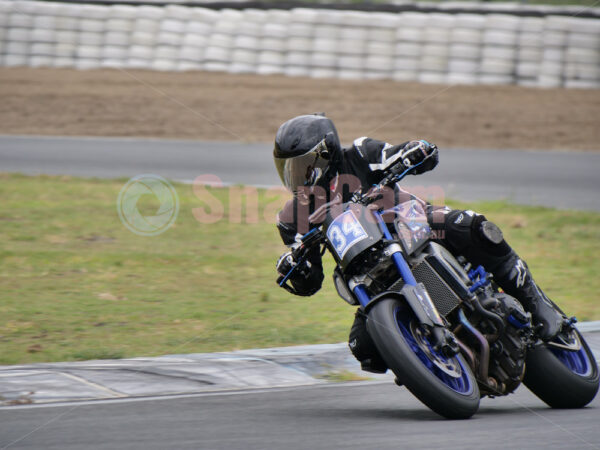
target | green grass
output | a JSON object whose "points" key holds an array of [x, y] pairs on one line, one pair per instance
{"points": [[343, 376], [76, 284]]}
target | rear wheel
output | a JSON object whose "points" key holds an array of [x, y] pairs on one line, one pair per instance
{"points": [[563, 378], [446, 385]]}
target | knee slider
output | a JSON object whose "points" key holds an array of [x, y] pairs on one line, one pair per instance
{"points": [[491, 232], [490, 236]]}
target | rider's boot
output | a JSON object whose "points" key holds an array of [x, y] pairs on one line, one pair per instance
{"points": [[516, 280], [363, 348], [374, 365]]}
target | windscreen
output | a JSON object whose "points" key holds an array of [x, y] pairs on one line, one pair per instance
{"points": [[411, 225]]}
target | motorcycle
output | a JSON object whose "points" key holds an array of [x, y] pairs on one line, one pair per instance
{"points": [[446, 331]]}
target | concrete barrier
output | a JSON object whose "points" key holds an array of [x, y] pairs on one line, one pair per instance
{"points": [[432, 47]]}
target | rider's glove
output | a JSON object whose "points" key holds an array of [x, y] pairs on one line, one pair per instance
{"points": [[286, 262], [417, 157], [304, 281]]}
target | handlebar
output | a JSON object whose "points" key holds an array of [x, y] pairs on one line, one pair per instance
{"points": [[315, 236], [310, 239]]}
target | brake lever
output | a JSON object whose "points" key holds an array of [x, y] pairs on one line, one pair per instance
{"points": [[314, 236], [374, 193]]}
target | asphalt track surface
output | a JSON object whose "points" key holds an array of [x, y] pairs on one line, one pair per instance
{"points": [[345, 416], [556, 179]]}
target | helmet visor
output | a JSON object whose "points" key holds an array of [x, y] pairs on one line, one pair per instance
{"points": [[303, 170]]}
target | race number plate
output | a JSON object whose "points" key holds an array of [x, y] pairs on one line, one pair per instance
{"points": [[344, 232]]}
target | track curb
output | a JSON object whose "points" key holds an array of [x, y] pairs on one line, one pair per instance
{"points": [[198, 373]]}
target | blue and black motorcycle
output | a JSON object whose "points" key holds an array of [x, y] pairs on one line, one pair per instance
{"points": [[443, 327]]}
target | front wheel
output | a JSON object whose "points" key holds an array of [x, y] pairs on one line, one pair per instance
{"points": [[562, 378], [445, 385]]}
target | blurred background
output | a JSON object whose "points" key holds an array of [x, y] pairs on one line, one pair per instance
{"points": [[447, 42]]}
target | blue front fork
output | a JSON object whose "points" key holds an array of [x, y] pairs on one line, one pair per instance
{"points": [[399, 261]]}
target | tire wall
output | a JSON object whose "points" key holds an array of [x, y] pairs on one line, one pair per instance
{"points": [[434, 47]]}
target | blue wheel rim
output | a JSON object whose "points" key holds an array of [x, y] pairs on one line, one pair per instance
{"points": [[576, 361], [461, 384]]}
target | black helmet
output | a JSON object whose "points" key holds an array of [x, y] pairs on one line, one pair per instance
{"points": [[304, 148]]}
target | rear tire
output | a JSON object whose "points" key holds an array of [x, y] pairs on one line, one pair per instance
{"points": [[416, 365], [561, 378]]}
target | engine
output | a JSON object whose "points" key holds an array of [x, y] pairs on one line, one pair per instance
{"points": [[507, 328]]}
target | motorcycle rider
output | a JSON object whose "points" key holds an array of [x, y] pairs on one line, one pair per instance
{"points": [[308, 155]]}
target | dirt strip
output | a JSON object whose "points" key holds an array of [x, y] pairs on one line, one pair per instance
{"points": [[217, 106]]}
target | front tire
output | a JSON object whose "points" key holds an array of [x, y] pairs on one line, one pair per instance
{"points": [[445, 385], [562, 378]]}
